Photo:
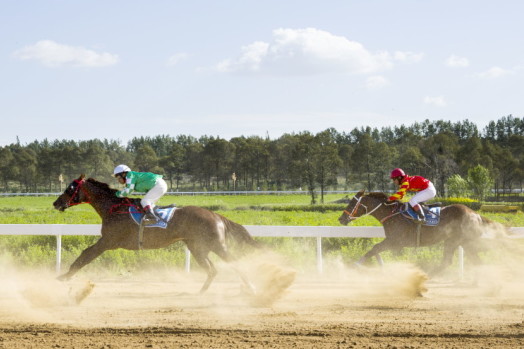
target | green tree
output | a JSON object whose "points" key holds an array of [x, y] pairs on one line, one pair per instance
{"points": [[372, 161], [440, 151], [97, 161], [345, 152], [479, 182], [218, 155], [302, 167], [326, 160], [457, 186], [194, 163], [469, 154], [173, 164], [25, 167], [283, 173], [146, 159], [6, 166]]}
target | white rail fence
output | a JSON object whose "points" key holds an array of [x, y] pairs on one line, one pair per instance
{"points": [[317, 232]]}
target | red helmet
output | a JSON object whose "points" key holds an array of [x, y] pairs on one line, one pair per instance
{"points": [[398, 172]]}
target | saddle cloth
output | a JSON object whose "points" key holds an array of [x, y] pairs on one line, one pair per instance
{"points": [[432, 215], [166, 213]]}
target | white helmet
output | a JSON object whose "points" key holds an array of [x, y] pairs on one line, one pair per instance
{"points": [[120, 169]]}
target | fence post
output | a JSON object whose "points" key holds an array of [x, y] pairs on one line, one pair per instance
{"points": [[320, 266], [187, 263], [461, 262], [58, 253]]}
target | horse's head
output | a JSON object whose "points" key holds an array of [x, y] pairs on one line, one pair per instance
{"points": [[361, 205], [72, 195], [352, 210]]}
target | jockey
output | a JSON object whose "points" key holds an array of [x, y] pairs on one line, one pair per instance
{"points": [[151, 184], [424, 188]]}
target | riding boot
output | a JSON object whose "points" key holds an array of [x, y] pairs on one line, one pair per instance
{"points": [[150, 215], [420, 213]]}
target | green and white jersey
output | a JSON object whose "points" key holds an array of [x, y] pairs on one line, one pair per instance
{"points": [[138, 181]]}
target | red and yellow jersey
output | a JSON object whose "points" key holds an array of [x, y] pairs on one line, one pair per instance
{"points": [[410, 183]]}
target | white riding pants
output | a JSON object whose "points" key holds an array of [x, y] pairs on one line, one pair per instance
{"points": [[153, 195], [423, 195]]}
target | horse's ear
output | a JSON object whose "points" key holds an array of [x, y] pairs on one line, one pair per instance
{"points": [[361, 192], [82, 176]]}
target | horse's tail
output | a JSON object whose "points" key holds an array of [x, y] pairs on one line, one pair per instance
{"points": [[240, 233], [495, 229], [501, 237]]}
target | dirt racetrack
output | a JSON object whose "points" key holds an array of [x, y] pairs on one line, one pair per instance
{"points": [[376, 308]]}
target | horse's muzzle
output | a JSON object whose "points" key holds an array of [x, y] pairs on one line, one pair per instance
{"points": [[344, 221], [59, 205]]}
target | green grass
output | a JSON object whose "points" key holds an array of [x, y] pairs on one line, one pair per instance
{"points": [[31, 251]]}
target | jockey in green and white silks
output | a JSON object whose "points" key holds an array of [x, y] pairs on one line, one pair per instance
{"points": [[150, 183]]}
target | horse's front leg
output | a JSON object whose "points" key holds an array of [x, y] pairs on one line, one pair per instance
{"points": [[86, 257], [375, 252]]}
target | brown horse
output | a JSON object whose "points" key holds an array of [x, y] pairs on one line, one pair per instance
{"points": [[202, 231], [459, 226]]}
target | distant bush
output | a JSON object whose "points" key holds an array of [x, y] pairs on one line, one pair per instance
{"points": [[473, 204]]}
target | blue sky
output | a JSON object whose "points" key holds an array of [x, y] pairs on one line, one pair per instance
{"points": [[123, 69]]}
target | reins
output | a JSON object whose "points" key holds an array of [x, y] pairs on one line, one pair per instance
{"points": [[115, 209], [355, 209], [388, 217]]}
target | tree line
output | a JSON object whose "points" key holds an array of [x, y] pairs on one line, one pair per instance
{"points": [[361, 158]]}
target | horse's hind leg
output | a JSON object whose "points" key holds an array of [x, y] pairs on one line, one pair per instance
{"points": [[227, 257], [86, 257], [447, 258], [203, 260]]}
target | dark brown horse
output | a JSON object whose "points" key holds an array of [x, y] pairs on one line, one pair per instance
{"points": [[459, 226], [202, 231]]}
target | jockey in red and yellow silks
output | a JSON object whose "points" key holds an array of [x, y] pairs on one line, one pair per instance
{"points": [[424, 188], [410, 183]]}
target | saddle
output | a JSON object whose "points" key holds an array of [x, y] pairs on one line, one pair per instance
{"points": [[431, 212], [164, 213]]}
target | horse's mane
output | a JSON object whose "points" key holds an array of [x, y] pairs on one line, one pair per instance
{"points": [[378, 195], [103, 186]]}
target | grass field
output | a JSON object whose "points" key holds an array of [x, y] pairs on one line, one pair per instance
{"points": [[31, 251]]}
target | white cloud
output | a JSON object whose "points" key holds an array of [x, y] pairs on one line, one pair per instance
{"points": [[376, 82], [408, 57], [311, 51], [177, 58], [457, 62], [53, 54], [250, 60], [494, 73], [438, 101]]}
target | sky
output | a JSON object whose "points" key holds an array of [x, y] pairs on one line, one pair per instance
{"points": [[78, 70]]}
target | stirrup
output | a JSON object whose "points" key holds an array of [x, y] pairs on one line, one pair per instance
{"points": [[150, 216]]}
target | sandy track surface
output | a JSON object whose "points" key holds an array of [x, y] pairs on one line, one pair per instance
{"points": [[368, 308]]}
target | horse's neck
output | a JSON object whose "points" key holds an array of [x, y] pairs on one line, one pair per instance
{"points": [[384, 214], [101, 201], [379, 213]]}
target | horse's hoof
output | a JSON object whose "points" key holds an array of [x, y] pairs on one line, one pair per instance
{"points": [[63, 278], [357, 265]]}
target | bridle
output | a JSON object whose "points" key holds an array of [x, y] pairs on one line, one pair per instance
{"points": [[79, 186], [351, 215], [75, 200]]}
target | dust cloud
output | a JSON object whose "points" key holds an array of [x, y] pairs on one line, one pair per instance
{"points": [[36, 295], [26, 294]]}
